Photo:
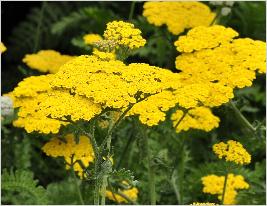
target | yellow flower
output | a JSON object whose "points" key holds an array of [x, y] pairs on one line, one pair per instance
{"points": [[214, 184], [46, 60], [131, 193], [178, 16], [219, 59], [2, 48], [196, 118], [71, 151], [90, 39], [232, 151], [124, 34], [202, 37]]}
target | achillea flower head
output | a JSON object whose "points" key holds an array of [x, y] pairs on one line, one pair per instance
{"points": [[214, 184], [2, 48], [219, 61], [197, 118], [178, 16], [232, 151], [131, 193], [202, 37], [46, 60], [71, 151], [91, 39], [124, 34]]}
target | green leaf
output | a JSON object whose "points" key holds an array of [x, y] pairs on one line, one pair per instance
{"points": [[19, 187]]}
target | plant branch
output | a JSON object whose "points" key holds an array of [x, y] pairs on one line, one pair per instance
{"points": [[241, 117], [224, 187]]}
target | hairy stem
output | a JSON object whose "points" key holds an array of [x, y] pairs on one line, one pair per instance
{"points": [[224, 187], [241, 117]]}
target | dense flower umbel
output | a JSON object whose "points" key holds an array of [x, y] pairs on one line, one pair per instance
{"points": [[84, 87], [131, 193], [124, 34], [71, 151], [90, 39], [202, 37], [232, 151], [178, 16], [46, 60], [230, 62], [196, 118], [2, 48], [214, 184]]}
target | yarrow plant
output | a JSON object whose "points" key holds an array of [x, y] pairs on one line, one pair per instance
{"points": [[79, 103]]}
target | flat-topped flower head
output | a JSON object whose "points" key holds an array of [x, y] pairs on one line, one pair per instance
{"points": [[46, 60], [202, 37], [90, 39], [178, 16], [71, 151], [124, 34], [232, 151], [213, 184]]}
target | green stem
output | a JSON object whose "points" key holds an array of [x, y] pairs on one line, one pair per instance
{"points": [[224, 187], [38, 29], [217, 16], [77, 186], [96, 161], [132, 10], [151, 172], [241, 117]]}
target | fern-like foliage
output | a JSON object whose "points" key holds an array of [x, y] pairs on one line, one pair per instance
{"points": [[85, 19], [34, 33], [19, 187]]}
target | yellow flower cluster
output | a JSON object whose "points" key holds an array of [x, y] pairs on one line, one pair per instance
{"points": [[131, 193], [196, 118], [71, 151], [214, 184], [230, 63], [91, 38], [178, 16], [124, 34], [46, 60], [232, 151], [203, 203], [85, 86], [217, 63], [202, 37], [2, 48], [44, 109]]}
